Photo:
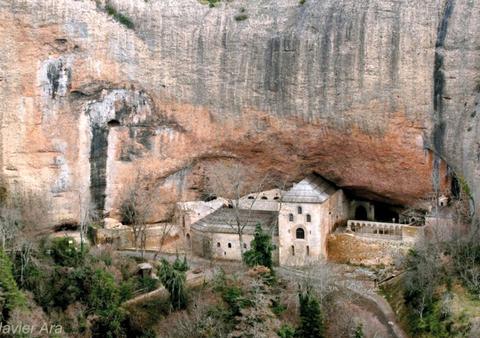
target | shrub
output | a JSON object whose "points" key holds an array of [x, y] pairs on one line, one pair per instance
{"points": [[241, 17], [119, 17], [286, 331], [104, 300], [103, 292], [359, 331], [66, 288], [302, 2], [127, 289], [174, 282], [213, 3], [128, 211], [65, 252], [148, 283], [231, 294]]}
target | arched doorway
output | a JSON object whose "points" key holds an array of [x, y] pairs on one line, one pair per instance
{"points": [[361, 213]]}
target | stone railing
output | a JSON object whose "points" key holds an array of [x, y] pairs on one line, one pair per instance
{"points": [[395, 231]]}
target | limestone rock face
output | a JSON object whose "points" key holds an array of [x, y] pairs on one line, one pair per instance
{"points": [[362, 92]]}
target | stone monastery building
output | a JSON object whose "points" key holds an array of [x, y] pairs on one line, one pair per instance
{"points": [[299, 221]]}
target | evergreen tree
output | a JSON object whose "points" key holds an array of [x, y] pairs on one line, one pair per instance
{"points": [[311, 321], [261, 250]]}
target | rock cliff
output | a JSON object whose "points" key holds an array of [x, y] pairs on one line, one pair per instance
{"points": [[379, 96]]}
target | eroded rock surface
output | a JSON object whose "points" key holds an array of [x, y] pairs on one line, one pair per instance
{"points": [[362, 92]]}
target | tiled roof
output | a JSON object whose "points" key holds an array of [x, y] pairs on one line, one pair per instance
{"points": [[312, 189], [224, 221]]}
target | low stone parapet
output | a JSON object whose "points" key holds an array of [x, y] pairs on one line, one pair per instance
{"points": [[391, 231]]}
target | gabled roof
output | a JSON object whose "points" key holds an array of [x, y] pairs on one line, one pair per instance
{"points": [[312, 189], [224, 221]]}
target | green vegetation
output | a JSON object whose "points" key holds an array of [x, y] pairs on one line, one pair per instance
{"points": [[119, 17], [173, 278], [10, 295], [440, 281], [213, 3], [65, 252], [242, 16], [61, 278], [302, 2], [359, 331], [210, 3], [103, 299], [261, 250], [286, 331], [311, 321]]}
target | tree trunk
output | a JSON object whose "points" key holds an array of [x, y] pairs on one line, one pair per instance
{"points": [[240, 238]]}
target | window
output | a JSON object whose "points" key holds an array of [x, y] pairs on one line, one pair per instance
{"points": [[299, 209], [290, 217], [229, 245], [264, 198], [300, 233], [276, 198], [292, 250], [308, 250], [251, 197], [309, 218], [244, 245], [218, 244]]}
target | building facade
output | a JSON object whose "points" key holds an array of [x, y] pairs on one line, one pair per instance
{"points": [[216, 235], [309, 212], [299, 220]]}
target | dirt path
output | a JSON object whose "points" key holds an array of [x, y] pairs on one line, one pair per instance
{"points": [[361, 285]]}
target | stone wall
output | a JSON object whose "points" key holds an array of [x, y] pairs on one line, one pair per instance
{"points": [[348, 248], [167, 237]]}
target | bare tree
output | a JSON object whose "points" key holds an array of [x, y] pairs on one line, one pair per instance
{"points": [[23, 215], [136, 209], [87, 215], [163, 237], [231, 180], [9, 225]]}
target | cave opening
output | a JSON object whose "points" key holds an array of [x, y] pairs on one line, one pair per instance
{"points": [[455, 187], [361, 213], [113, 123], [386, 213]]}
